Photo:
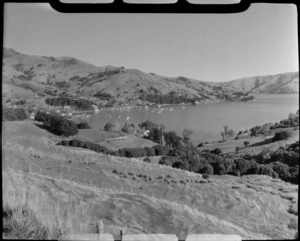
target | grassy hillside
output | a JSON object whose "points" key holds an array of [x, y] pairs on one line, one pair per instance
{"points": [[65, 74], [41, 178], [284, 83]]}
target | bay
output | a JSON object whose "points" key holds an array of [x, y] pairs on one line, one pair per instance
{"points": [[206, 120]]}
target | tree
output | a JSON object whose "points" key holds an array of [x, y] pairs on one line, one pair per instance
{"points": [[282, 135], [83, 125], [231, 133], [223, 136], [148, 125], [125, 128], [246, 143], [171, 138], [10, 114], [109, 127], [186, 135], [40, 116], [216, 151]]}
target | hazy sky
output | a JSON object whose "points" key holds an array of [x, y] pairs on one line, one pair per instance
{"points": [[210, 47]]}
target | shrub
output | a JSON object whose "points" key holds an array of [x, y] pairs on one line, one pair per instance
{"points": [[160, 177], [73, 142], [109, 127], [179, 165], [205, 176], [20, 102], [182, 181], [150, 151], [132, 152], [125, 128], [147, 159], [293, 224], [103, 95], [40, 116], [64, 143], [246, 143], [200, 144], [207, 169], [9, 114], [282, 135], [168, 160], [58, 124], [113, 153], [160, 150], [99, 148], [216, 151], [83, 125]]}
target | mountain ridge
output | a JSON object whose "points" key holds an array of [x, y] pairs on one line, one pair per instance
{"points": [[68, 74], [282, 83]]}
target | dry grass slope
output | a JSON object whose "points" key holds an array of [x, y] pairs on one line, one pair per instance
{"points": [[40, 178]]}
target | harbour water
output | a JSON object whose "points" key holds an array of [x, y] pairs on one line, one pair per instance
{"points": [[205, 120]]}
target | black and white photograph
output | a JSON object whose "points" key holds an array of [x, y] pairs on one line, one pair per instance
{"points": [[150, 126]]}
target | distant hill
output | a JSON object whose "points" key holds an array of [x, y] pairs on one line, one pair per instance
{"points": [[284, 83], [75, 76]]}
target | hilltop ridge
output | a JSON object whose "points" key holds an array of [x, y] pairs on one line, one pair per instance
{"points": [[83, 79], [283, 83]]}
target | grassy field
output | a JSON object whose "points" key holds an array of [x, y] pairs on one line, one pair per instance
{"points": [[256, 144], [113, 140], [40, 178]]}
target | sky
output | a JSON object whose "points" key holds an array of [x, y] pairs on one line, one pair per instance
{"points": [[211, 47]]}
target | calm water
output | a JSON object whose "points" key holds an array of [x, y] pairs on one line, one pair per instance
{"points": [[207, 120]]}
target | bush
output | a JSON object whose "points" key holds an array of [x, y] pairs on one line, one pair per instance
{"points": [[282, 135], [109, 127], [59, 124], [83, 125], [150, 151], [147, 159], [102, 149], [207, 169], [216, 151], [41, 116], [160, 150], [168, 160], [10, 114], [20, 102], [133, 152], [205, 176], [64, 143], [246, 143]]}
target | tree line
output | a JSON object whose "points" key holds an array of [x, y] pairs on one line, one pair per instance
{"points": [[63, 101]]}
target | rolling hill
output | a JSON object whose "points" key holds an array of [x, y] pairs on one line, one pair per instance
{"points": [[33, 72], [58, 190], [285, 83]]}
